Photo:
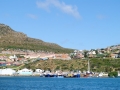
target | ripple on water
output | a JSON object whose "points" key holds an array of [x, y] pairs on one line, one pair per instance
{"points": [[37, 83]]}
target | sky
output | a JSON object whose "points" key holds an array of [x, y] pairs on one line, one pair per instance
{"points": [[75, 24]]}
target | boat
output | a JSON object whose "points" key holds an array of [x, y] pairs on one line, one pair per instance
{"points": [[100, 74], [53, 75], [118, 74], [88, 73]]}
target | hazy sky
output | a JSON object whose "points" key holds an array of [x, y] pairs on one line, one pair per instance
{"points": [[77, 24]]}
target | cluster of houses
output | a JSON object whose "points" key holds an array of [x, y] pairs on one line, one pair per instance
{"points": [[18, 57], [111, 52]]}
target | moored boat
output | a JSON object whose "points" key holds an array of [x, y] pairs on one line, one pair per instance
{"points": [[118, 74]]}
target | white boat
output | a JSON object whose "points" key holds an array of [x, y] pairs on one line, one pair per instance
{"points": [[119, 74], [100, 74]]}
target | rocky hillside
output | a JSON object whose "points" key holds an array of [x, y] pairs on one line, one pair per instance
{"points": [[17, 40]]}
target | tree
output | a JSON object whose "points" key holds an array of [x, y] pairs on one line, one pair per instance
{"points": [[96, 51], [113, 74], [85, 54]]}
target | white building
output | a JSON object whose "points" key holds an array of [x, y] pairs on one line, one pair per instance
{"points": [[13, 58], [25, 72], [39, 70], [7, 71]]}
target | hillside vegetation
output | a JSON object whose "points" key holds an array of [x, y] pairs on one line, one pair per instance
{"points": [[96, 65], [10, 39]]}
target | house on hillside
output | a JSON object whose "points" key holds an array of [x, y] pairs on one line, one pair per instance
{"points": [[118, 55], [91, 54], [115, 55], [2, 63], [108, 49], [77, 54], [13, 58]]}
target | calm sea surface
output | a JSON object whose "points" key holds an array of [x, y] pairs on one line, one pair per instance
{"points": [[38, 83]]}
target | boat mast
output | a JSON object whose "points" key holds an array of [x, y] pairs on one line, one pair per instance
{"points": [[88, 66]]}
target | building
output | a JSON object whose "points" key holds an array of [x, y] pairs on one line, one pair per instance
{"points": [[25, 72], [13, 58], [7, 72], [91, 54]]}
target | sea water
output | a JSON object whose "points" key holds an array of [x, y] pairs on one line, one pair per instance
{"points": [[38, 83]]}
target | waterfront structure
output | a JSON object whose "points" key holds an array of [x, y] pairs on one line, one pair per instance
{"points": [[7, 72], [25, 72]]}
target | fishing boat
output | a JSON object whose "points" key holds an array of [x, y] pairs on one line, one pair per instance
{"points": [[88, 73]]}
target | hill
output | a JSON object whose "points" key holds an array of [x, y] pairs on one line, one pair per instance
{"points": [[10, 39], [96, 65]]}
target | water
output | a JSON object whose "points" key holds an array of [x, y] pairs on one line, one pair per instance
{"points": [[37, 83]]}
